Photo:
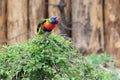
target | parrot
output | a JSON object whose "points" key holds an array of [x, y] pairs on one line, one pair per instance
{"points": [[47, 25]]}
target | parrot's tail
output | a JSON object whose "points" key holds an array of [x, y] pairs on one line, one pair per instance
{"points": [[38, 27]]}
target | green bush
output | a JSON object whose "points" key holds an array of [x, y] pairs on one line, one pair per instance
{"points": [[50, 58], [95, 59]]}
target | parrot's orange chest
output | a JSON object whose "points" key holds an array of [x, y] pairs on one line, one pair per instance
{"points": [[48, 25]]}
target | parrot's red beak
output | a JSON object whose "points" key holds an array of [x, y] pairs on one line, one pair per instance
{"points": [[57, 20]]}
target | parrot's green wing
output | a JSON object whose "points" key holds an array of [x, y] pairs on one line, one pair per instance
{"points": [[40, 23]]}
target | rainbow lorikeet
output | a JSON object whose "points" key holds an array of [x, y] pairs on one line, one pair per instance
{"points": [[47, 25]]}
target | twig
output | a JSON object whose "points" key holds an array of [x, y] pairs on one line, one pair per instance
{"points": [[105, 69]]}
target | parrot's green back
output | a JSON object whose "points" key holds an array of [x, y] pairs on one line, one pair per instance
{"points": [[39, 26], [40, 29]]}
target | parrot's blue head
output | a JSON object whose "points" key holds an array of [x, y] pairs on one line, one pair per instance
{"points": [[54, 20]]}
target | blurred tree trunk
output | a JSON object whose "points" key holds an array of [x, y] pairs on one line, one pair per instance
{"points": [[68, 11], [53, 11], [16, 21], [87, 25], [2, 21], [97, 24], [112, 28], [37, 10], [61, 8]]}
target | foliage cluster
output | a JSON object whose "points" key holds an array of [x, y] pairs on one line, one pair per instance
{"points": [[50, 58]]}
